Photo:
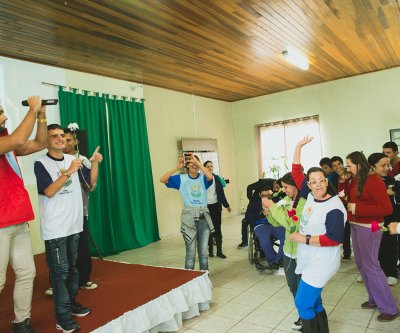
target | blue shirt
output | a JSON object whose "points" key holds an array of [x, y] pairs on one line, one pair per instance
{"points": [[192, 190]]}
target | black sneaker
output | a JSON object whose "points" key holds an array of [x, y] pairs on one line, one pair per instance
{"points": [[68, 327], [297, 325], [80, 310], [23, 327], [242, 245]]}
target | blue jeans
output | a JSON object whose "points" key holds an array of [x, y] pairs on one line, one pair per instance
{"points": [[201, 240], [61, 256], [264, 232]]}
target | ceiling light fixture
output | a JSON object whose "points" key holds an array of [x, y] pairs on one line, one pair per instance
{"points": [[296, 58]]}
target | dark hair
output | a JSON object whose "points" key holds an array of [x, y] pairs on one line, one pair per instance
{"points": [[68, 131], [288, 179], [364, 168], [325, 161], [331, 189], [279, 182], [375, 158], [267, 185], [334, 159], [392, 145], [206, 162], [53, 127], [196, 157]]}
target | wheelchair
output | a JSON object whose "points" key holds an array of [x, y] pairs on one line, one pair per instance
{"points": [[256, 255]]}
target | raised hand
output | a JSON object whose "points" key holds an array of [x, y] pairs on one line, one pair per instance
{"points": [[35, 103], [181, 164], [96, 157], [307, 139]]}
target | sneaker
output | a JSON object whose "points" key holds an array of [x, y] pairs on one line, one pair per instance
{"points": [[360, 279], [242, 245], [221, 255], [345, 259], [49, 292], [80, 310], [297, 325], [69, 327], [387, 317], [89, 285], [23, 326], [368, 305], [392, 281]]}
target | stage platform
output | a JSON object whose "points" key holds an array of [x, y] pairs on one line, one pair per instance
{"points": [[130, 298]]}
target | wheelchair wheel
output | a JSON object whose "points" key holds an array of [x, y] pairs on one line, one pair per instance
{"points": [[250, 247]]}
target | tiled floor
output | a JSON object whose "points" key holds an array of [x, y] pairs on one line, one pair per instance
{"points": [[247, 301]]}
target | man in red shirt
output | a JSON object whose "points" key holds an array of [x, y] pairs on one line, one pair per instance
{"points": [[391, 150], [16, 209]]}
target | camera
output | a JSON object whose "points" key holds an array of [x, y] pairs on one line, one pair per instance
{"points": [[186, 158], [44, 102]]}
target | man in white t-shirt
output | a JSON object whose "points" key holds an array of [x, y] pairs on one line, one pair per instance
{"points": [[59, 179]]}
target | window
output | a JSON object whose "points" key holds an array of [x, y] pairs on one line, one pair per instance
{"points": [[277, 143]]}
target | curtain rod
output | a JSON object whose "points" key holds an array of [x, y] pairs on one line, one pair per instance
{"points": [[58, 85], [281, 122]]}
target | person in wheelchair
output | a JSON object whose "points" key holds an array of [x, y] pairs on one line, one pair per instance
{"points": [[253, 194], [266, 233]]}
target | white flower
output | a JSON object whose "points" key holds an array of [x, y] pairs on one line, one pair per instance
{"points": [[341, 194], [397, 177], [73, 127]]}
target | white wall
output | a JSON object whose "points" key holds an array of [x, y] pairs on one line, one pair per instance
{"points": [[355, 114]]}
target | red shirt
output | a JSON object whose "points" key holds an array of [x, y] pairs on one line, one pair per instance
{"points": [[395, 170], [15, 206], [374, 202]]}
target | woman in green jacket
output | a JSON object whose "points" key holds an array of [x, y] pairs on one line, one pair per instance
{"points": [[286, 213]]}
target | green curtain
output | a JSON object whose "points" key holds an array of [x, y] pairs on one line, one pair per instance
{"points": [[131, 172], [109, 222]]}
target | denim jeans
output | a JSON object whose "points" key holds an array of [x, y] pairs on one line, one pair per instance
{"points": [[84, 259], [16, 249], [201, 240], [292, 278], [61, 256]]}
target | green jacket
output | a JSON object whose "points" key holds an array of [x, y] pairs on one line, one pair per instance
{"points": [[278, 216]]}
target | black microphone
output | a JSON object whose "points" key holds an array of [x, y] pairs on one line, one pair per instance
{"points": [[44, 102]]}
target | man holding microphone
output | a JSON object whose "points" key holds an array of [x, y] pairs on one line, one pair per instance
{"points": [[16, 209]]}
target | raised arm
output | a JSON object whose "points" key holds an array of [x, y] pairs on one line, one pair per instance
{"points": [[164, 179], [297, 172], [94, 171], [18, 139]]}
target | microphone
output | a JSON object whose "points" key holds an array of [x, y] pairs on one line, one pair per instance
{"points": [[44, 102]]}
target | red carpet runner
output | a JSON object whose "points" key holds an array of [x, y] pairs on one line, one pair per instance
{"points": [[122, 287]]}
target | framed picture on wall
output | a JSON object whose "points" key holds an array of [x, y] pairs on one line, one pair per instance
{"points": [[395, 135]]}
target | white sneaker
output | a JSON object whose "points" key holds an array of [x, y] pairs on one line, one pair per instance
{"points": [[392, 281], [49, 292], [89, 285], [360, 279], [297, 325]]}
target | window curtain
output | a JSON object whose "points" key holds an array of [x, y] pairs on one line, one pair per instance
{"points": [[111, 226], [278, 141]]}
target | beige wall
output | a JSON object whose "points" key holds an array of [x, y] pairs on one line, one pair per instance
{"points": [[172, 115], [355, 114]]}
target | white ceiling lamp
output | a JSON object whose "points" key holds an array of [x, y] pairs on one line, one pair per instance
{"points": [[296, 58]]}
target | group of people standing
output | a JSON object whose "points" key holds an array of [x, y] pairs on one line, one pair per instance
{"points": [[62, 181], [364, 197]]}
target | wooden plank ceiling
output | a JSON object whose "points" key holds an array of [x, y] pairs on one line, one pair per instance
{"points": [[223, 49]]}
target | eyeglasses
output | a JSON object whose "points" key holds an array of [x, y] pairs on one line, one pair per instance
{"points": [[317, 181]]}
